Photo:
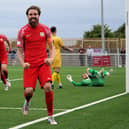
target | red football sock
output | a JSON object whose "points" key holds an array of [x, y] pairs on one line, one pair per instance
{"points": [[3, 78], [6, 74], [28, 96], [49, 102]]}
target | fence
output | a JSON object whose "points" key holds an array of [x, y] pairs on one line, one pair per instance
{"points": [[112, 48], [108, 60], [73, 59], [112, 45], [94, 42]]}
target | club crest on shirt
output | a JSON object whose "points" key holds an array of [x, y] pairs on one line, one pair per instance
{"points": [[1, 39], [42, 34], [27, 35]]}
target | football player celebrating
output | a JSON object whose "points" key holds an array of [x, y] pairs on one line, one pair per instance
{"points": [[32, 40]]}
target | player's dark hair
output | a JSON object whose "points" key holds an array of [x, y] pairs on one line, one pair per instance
{"points": [[53, 29], [33, 7]]}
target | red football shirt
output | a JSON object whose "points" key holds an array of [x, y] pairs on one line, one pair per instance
{"points": [[33, 41], [4, 37], [3, 53]]}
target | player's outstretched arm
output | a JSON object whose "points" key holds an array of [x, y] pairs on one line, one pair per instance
{"points": [[68, 48], [77, 83], [69, 78]]}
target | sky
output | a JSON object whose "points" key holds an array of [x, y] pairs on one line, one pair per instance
{"points": [[71, 17]]}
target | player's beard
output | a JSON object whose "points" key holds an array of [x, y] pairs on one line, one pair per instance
{"points": [[33, 22]]}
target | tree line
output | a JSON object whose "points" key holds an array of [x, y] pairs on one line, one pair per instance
{"points": [[95, 32]]}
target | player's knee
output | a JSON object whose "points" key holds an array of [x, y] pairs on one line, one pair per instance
{"points": [[29, 90], [57, 70], [47, 87], [3, 67]]}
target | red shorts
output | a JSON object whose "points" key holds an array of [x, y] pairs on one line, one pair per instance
{"points": [[4, 60], [42, 73]]}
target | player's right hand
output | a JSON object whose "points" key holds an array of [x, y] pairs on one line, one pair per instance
{"points": [[71, 49], [48, 61], [26, 65]]}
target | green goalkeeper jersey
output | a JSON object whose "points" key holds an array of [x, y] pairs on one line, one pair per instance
{"points": [[97, 79], [84, 82]]}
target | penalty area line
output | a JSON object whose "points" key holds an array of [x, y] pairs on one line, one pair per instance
{"points": [[33, 109], [12, 80], [67, 111]]}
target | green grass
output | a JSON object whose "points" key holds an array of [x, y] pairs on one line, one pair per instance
{"points": [[112, 114]]}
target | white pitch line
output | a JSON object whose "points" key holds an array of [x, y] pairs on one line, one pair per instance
{"points": [[15, 69], [34, 109], [17, 79], [68, 111]]}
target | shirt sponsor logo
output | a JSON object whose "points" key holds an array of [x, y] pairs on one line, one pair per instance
{"points": [[42, 34]]}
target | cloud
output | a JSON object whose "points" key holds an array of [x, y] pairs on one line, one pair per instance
{"points": [[70, 16]]}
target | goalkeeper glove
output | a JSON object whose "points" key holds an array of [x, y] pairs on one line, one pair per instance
{"points": [[69, 78]]}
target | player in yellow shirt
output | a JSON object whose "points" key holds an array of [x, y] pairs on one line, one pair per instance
{"points": [[57, 63]]}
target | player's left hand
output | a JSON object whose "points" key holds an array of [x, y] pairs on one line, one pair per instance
{"points": [[48, 61]]}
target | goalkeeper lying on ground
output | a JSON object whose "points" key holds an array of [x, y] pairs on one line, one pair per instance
{"points": [[97, 77], [91, 78]]}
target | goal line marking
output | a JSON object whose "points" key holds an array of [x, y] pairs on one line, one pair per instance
{"points": [[67, 111]]}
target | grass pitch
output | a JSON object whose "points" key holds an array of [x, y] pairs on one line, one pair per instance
{"points": [[112, 114]]}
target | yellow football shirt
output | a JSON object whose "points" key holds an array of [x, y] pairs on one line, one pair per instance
{"points": [[58, 43]]}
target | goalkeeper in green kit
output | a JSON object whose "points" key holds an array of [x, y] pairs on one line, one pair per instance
{"points": [[91, 78]]}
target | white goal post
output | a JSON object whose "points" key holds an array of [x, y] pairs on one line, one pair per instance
{"points": [[127, 43]]}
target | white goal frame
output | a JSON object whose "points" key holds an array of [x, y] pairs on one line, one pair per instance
{"points": [[127, 43]]}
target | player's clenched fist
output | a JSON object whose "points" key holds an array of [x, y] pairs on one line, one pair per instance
{"points": [[26, 65]]}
